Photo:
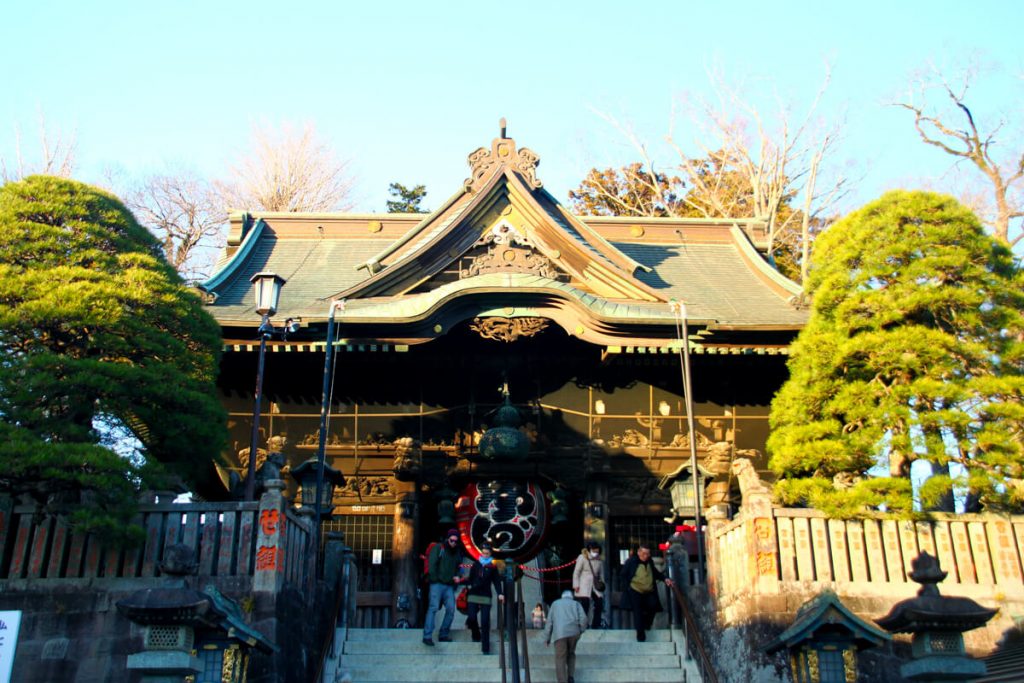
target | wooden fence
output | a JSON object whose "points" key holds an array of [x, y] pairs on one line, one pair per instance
{"points": [[223, 536]]}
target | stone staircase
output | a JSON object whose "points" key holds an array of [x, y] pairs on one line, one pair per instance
{"points": [[611, 656]]}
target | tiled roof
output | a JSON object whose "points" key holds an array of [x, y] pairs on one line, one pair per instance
{"points": [[313, 268], [713, 279], [714, 282]]}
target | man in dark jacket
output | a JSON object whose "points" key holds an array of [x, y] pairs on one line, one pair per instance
{"points": [[640, 594], [482, 576], [442, 575]]}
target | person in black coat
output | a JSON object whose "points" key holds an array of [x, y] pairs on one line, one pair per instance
{"points": [[483, 574], [639, 581]]}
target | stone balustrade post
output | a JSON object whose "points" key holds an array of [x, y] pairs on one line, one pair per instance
{"points": [[271, 552], [716, 517]]}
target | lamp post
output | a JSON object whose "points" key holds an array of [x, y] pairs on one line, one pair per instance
{"points": [[267, 289], [325, 405], [679, 308]]}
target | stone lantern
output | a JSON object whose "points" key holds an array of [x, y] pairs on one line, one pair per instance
{"points": [[306, 474], [173, 615], [937, 623]]}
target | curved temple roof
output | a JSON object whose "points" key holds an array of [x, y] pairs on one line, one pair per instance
{"points": [[503, 235]]}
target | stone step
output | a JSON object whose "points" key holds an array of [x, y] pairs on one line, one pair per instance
{"points": [[458, 661], [466, 647], [493, 675], [603, 656], [399, 635]]}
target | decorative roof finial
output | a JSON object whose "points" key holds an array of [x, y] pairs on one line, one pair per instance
{"points": [[483, 163]]}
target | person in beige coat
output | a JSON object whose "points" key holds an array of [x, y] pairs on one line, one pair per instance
{"points": [[588, 582], [566, 623]]}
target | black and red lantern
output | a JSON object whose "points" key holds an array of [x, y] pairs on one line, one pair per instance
{"points": [[509, 515]]}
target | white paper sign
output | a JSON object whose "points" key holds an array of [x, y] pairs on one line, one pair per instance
{"points": [[10, 624], [378, 556]]}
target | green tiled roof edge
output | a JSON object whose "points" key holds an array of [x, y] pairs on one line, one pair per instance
{"points": [[743, 242], [411, 233], [228, 269]]}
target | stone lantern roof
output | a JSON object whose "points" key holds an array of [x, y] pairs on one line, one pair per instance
{"points": [[931, 611]]}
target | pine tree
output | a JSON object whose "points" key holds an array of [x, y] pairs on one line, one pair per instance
{"points": [[406, 199], [914, 351], [108, 359]]}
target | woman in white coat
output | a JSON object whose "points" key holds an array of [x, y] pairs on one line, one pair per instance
{"points": [[588, 581]]}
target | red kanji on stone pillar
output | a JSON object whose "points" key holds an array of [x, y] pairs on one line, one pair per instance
{"points": [[270, 540]]}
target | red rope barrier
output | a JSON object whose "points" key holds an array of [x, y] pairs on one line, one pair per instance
{"points": [[546, 569]]}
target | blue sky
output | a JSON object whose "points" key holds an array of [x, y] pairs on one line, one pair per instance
{"points": [[407, 89]]}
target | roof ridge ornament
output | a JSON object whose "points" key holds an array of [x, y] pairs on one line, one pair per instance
{"points": [[483, 162]]}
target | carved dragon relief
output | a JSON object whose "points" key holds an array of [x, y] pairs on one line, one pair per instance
{"points": [[508, 329]]}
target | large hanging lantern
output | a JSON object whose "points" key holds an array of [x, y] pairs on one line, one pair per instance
{"points": [[505, 441], [511, 516]]}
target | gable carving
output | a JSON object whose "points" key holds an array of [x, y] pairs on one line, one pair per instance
{"points": [[508, 329], [508, 258], [526, 163], [504, 249]]}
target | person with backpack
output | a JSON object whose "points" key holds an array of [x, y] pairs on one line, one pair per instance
{"points": [[442, 575], [482, 575]]}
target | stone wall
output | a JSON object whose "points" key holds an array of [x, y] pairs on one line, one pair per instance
{"points": [[72, 632], [782, 557], [765, 564], [67, 586]]}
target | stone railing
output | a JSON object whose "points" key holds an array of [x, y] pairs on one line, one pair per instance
{"points": [[236, 539], [767, 562], [980, 552]]}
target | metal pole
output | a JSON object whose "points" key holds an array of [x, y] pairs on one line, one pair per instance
{"points": [[321, 452], [522, 627], [687, 390], [510, 618], [250, 475]]}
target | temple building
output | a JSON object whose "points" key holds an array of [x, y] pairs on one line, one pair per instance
{"points": [[502, 297]]}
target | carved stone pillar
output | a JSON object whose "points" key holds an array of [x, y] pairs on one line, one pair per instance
{"points": [[404, 563], [270, 539], [715, 517]]}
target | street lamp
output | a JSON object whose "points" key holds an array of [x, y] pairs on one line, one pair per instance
{"points": [[267, 288]]}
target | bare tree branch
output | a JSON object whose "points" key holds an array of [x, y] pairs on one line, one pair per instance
{"points": [[185, 213], [778, 161], [1004, 177], [289, 169], [56, 155]]}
